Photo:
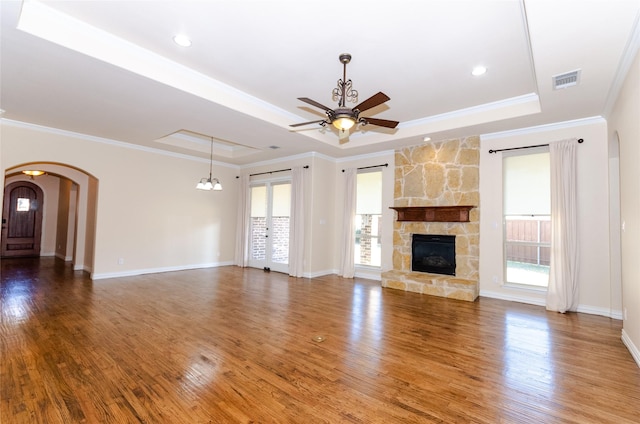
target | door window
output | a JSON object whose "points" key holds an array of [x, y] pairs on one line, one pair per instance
{"points": [[269, 226]]}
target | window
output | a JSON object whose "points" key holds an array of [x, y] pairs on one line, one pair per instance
{"points": [[368, 218], [527, 218], [23, 204]]}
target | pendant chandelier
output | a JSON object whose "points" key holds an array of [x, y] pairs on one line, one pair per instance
{"points": [[209, 183]]}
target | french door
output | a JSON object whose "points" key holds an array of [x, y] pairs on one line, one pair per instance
{"points": [[269, 226]]}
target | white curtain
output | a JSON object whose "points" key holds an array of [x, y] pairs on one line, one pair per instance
{"points": [[242, 227], [296, 224], [347, 267], [562, 294]]}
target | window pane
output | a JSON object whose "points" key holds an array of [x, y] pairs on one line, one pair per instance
{"points": [[369, 193], [23, 204], [368, 218], [280, 223], [258, 223], [527, 184], [367, 249], [281, 199], [527, 221]]}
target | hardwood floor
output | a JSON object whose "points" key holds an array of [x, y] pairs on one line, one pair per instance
{"points": [[228, 345]]}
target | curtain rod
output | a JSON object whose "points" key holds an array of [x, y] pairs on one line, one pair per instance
{"points": [[372, 166], [271, 172], [525, 147]]}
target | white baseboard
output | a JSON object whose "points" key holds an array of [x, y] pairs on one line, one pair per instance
{"points": [[512, 298], [585, 309], [633, 349], [368, 274], [83, 268], [594, 310], [64, 258], [319, 273], [133, 272], [375, 275]]}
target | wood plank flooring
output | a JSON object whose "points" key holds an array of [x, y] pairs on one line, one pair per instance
{"points": [[231, 345]]}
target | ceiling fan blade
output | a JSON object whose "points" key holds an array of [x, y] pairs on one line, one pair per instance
{"points": [[382, 122], [307, 123], [314, 103], [373, 101]]}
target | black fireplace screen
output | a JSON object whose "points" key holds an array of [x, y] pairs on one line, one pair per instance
{"points": [[433, 253]]}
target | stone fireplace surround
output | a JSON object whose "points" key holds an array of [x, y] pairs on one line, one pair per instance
{"points": [[433, 177]]}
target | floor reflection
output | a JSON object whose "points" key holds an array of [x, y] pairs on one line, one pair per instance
{"points": [[31, 286], [200, 373], [15, 298], [366, 316], [528, 355]]}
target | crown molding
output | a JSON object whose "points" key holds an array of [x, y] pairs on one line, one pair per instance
{"points": [[66, 133], [630, 52], [544, 128], [288, 159], [460, 114], [366, 156]]}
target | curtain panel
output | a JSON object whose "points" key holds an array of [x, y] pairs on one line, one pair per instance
{"points": [[562, 293], [347, 265], [242, 226], [296, 225]]}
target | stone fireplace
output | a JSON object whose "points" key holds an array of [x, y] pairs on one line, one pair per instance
{"points": [[437, 193]]}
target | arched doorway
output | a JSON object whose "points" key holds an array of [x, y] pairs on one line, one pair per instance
{"points": [[69, 221], [22, 219]]}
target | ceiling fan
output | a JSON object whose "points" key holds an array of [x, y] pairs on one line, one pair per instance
{"points": [[342, 117]]}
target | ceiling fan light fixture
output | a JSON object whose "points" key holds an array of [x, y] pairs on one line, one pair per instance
{"points": [[344, 123], [33, 172], [345, 118]]}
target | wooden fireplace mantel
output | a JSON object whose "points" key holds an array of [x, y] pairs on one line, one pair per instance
{"points": [[433, 213]]}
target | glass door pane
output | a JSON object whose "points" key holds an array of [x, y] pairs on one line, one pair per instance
{"points": [[269, 226], [258, 226], [280, 211]]}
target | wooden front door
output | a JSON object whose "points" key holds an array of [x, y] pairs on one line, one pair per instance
{"points": [[21, 219]]}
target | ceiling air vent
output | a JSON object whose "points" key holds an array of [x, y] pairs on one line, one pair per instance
{"points": [[565, 80]]}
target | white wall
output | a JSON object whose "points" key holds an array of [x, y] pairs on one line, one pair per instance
{"points": [[593, 215], [624, 125], [321, 216], [148, 212]]}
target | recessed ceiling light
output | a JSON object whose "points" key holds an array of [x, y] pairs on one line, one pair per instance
{"points": [[182, 40], [426, 138], [479, 70]]}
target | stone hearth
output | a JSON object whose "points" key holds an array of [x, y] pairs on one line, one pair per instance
{"points": [[438, 174]]}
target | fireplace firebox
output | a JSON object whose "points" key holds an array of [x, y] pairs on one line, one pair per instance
{"points": [[435, 254]]}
